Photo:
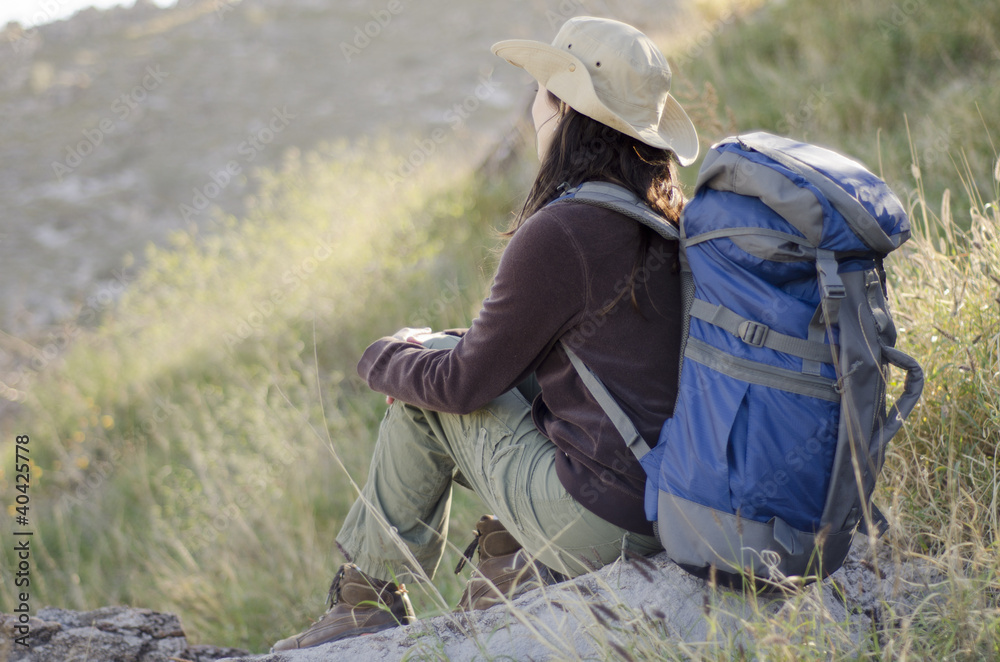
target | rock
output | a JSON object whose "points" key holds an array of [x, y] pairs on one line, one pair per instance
{"points": [[203, 653], [565, 620], [109, 634], [568, 620]]}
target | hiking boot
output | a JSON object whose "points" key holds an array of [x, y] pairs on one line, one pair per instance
{"points": [[358, 604], [505, 569]]}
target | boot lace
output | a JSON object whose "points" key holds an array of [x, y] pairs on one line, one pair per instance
{"points": [[469, 551], [333, 597]]}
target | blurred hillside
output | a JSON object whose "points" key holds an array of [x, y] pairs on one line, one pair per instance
{"points": [[112, 120]]}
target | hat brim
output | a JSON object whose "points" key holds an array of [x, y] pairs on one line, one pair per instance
{"points": [[567, 77]]}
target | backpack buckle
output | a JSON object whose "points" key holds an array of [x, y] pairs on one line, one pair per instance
{"points": [[834, 290], [830, 284], [753, 333]]}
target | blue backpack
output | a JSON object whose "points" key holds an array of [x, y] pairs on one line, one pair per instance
{"points": [[768, 464]]}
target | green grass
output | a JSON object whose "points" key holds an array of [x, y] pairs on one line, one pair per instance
{"points": [[849, 74], [195, 453], [188, 453]]}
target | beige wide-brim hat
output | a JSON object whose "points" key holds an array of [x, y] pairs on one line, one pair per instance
{"points": [[610, 72]]}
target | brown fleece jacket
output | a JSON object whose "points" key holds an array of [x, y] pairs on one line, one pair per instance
{"points": [[556, 277]]}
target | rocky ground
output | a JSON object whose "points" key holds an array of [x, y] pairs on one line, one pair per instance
{"points": [[109, 634], [571, 617]]}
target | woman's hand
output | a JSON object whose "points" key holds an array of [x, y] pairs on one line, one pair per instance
{"points": [[406, 334]]}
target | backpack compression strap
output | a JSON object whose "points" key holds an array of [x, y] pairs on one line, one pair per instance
{"points": [[761, 335]]}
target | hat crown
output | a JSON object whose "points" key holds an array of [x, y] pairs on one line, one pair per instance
{"points": [[612, 73], [629, 73]]}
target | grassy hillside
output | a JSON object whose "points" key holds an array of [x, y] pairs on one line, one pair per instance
{"points": [[196, 452], [891, 83], [191, 453], [113, 119]]}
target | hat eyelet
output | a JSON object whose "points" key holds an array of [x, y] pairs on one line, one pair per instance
{"points": [[598, 64]]}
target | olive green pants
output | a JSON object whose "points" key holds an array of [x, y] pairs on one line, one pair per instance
{"points": [[397, 528]]}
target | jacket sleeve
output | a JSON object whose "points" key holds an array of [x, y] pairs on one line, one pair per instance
{"points": [[539, 291]]}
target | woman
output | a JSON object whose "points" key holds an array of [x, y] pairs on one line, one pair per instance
{"points": [[499, 408]]}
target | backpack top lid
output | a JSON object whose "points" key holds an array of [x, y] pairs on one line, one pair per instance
{"points": [[834, 202]]}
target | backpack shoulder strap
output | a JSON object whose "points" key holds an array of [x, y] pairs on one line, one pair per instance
{"points": [[621, 200], [626, 428]]}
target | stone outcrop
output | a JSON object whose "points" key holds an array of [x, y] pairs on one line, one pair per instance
{"points": [[567, 620], [571, 620], [109, 634]]}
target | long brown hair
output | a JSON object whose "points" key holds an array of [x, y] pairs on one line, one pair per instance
{"points": [[585, 150]]}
